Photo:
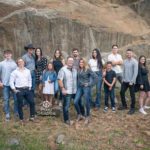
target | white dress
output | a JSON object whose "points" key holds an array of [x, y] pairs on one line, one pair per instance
{"points": [[48, 88]]}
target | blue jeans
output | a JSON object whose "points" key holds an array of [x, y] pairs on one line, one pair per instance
{"points": [[6, 95], [66, 104], [97, 101], [77, 102], [109, 94], [33, 76]]}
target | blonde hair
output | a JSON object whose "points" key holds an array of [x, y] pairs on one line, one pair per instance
{"points": [[86, 66]]}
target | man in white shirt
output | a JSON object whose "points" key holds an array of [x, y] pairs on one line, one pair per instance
{"points": [[117, 62], [21, 83]]}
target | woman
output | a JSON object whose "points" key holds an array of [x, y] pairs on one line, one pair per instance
{"points": [[58, 63], [96, 65], [84, 85], [40, 65], [143, 85]]}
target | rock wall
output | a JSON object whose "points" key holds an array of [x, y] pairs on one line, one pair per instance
{"points": [[52, 26], [51, 33], [142, 7]]}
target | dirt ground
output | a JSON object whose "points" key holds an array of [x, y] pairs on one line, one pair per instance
{"points": [[106, 131]]}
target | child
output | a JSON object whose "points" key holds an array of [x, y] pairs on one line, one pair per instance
{"points": [[49, 78], [109, 84]]}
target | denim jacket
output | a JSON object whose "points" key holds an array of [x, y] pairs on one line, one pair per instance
{"points": [[52, 76], [84, 78]]}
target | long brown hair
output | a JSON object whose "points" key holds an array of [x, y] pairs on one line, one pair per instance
{"points": [[41, 54], [98, 57], [140, 59], [49, 64], [60, 57]]}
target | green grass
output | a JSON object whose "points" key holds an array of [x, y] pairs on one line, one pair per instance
{"points": [[27, 140]]}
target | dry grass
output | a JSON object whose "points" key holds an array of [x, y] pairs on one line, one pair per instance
{"points": [[111, 131]]}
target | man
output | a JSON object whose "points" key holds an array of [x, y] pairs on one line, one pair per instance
{"points": [[30, 63], [130, 71], [67, 79], [76, 57], [117, 62], [6, 68], [20, 83]]}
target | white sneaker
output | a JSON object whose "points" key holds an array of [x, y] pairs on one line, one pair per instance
{"points": [[113, 109], [146, 107], [142, 111], [105, 109], [87, 120], [7, 117], [60, 104]]}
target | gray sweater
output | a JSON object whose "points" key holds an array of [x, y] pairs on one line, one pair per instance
{"points": [[130, 70]]}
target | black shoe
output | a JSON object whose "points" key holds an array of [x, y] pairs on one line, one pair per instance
{"points": [[122, 107], [131, 111]]}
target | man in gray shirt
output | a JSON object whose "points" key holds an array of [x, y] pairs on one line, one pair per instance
{"points": [[67, 79], [30, 62], [7, 66], [130, 71]]}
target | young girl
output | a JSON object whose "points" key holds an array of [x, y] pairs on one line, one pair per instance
{"points": [[49, 78]]}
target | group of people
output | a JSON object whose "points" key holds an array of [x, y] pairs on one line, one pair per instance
{"points": [[60, 81]]}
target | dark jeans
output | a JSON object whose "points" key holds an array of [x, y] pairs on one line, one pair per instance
{"points": [[109, 94], [33, 76], [124, 87], [66, 104], [29, 97], [77, 102], [119, 77]]}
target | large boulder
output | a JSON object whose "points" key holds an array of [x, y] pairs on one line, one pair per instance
{"points": [[83, 24]]}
